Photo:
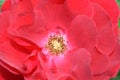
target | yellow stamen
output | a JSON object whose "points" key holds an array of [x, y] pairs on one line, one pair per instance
{"points": [[56, 45]]}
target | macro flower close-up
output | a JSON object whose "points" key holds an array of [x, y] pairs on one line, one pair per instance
{"points": [[59, 40]]}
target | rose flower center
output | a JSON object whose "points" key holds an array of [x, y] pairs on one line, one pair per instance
{"points": [[56, 45]]}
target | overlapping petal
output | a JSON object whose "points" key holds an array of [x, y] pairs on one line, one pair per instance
{"points": [[106, 38], [111, 8], [82, 32], [82, 7]]}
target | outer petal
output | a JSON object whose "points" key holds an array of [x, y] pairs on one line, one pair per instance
{"points": [[4, 23], [99, 77], [82, 32], [6, 75], [111, 8], [11, 58], [110, 73], [80, 7], [25, 22], [106, 41], [6, 5]]}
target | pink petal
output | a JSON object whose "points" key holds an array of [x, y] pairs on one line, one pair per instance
{"points": [[111, 8], [82, 32], [80, 7]]}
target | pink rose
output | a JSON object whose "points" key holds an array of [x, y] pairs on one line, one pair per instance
{"points": [[59, 40]]}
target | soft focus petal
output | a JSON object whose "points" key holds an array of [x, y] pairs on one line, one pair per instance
{"points": [[106, 38], [110, 73], [111, 8], [6, 75], [101, 18], [56, 15], [4, 23], [80, 7], [100, 63], [103, 77], [79, 61], [6, 5], [10, 57], [82, 32], [75, 65], [57, 1]]}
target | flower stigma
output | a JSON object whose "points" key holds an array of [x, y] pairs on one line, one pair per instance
{"points": [[56, 45]]}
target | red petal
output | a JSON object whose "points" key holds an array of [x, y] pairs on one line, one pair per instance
{"points": [[57, 15], [111, 8], [80, 7], [113, 71], [6, 5], [110, 73], [100, 17], [100, 63], [115, 56], [57, 1], [74, 65], [4, 23], [103, 77], [6, 75], [82, 32], [79, 64], [10, 57], [31, 28], [106, 40]]}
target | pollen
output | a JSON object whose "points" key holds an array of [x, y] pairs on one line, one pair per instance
{"points": [[56, 44]]}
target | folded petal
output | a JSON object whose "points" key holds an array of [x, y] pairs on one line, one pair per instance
{"points": [[57, 1], [11, 58], [6, 75]]}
